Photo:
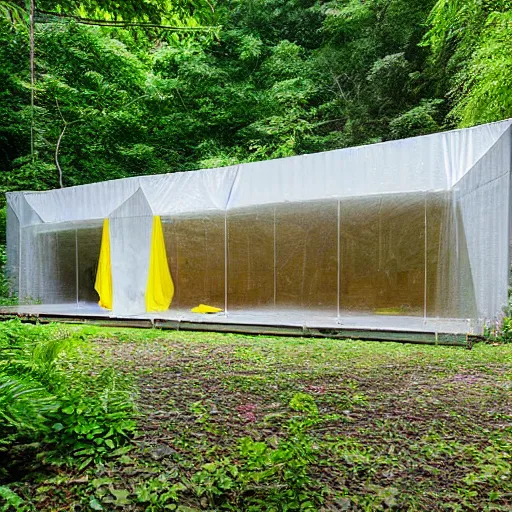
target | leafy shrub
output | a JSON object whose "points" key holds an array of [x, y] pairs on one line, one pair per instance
{"points": [[11, 501], [27, 367], [501, 333], [76, 416], [95, 418], [4, 284], [264, 476], [419, 120], [3, 225]]}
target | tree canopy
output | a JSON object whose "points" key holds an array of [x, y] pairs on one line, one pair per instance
{"points": [[266, 79]]}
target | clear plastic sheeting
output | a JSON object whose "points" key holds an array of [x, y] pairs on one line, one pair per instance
{"points": [[195, 251], [411, 232], [251, 259]]}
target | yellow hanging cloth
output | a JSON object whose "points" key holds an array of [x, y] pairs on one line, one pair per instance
{"points": [[103, 284], [204, 308], [160, 288]]}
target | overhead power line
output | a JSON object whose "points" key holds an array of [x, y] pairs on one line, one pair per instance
{"points": [[49, 17]]}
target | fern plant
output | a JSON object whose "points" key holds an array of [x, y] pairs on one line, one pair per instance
{"points": [[24, 405], [27, 366]]}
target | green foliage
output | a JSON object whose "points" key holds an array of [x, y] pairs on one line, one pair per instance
{"points": [[11, 11], [3, 227], [26, 398], [284, 77], [501, 332], [94, 419], [419, 120], [484, 85], [159, 493], [5, 298], [11, 501], [471, 40], [264, 476], [46, 397]]}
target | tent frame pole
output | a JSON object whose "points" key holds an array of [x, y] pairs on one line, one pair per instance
{"points": [[275, 259], [76, 266], [425, 262], [338, 284], [226, 263]]}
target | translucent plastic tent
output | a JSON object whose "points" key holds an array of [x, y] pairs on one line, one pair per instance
{"points": [[408, 234]]}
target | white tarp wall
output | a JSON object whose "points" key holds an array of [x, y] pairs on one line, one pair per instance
{"points": [[418, 226], [483, 199], [130, 238]]}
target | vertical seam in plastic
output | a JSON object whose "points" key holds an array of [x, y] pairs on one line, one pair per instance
{"points": [[380, 235], [226, 241], [226, 262], [425, 262], [76, 265], [19, 262], [338, 285], [178, 287], [509, 259], [275, 258]]}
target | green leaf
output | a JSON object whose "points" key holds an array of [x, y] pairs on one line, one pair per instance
{"points": [[121, 496], [95, 504]]}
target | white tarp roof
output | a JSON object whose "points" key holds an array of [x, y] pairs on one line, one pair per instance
{"points": [[430, 162]]}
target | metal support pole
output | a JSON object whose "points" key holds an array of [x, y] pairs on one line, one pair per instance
{"points": [[426, 260], [76, 266], [338, 287], [20, 296], [226, 263], [275, 258]]}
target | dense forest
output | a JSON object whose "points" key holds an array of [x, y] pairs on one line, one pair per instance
{"points": [[159, 87], [129, 420]]}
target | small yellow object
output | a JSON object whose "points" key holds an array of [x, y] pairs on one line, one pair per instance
{"points": [[160, 288], [203, 308], [103, 284]]}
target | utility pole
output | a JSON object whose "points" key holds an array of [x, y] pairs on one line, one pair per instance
{"points": [[32, 75]]}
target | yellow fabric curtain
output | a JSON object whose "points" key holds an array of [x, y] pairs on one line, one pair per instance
{"points": [[160, 288], [103, 284], [204, 308]]}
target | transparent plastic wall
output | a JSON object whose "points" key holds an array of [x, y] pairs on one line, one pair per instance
{"points": [[419, 227], [383, 247], [306, 256], [392, 254], [88, 246], [251, 268], [283, 256], [48, 270], [195, 251], [59, 262]]}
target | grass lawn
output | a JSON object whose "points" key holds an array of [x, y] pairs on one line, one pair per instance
{"points": [[230, 422]]}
